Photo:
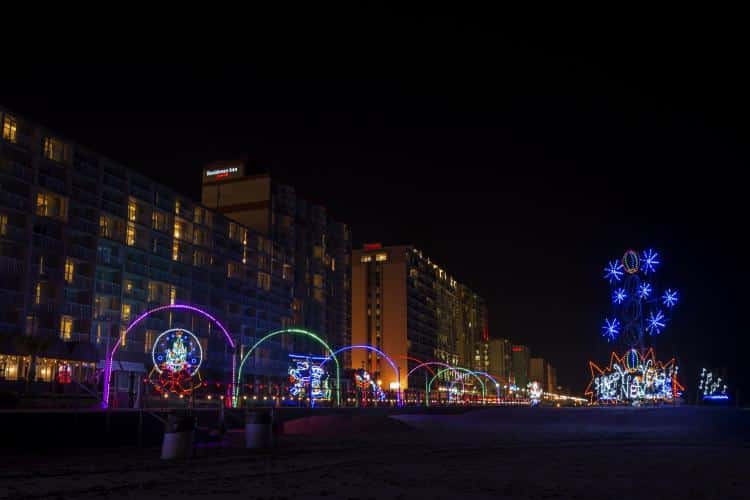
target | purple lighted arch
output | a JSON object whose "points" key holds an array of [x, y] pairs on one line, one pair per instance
{"points": [[387, 358], [134, 323]]}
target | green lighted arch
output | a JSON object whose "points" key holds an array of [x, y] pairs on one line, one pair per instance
{"points": [[453, 369], [295, 331]]}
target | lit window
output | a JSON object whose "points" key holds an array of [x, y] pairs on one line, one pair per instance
{"points": [[41, 204], [149, 340], [29, 325], [10, 129], [318, 280], [55, 149], [381, 257], [66, 327], [333, 264], [41, 265], [287, 272], [49, 205], [154, 291], [38, 294], [175, 250], [132, 209], [126, 313], [3, 225], [128, 286], [177, 207], [365, 258], [69, 270], [233, 270], [104, 228], [123, 336], [172, 295], [264, 281], [158, 221], [130, 235]]}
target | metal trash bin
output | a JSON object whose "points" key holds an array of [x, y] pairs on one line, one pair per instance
{"points": [[179, 437], [258, 429]]}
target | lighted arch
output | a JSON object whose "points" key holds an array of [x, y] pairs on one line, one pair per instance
{"points": [[295, 331], [497, 384], [419, 361], [426, 365], [378, 351], [136, 321], [457, 369]]}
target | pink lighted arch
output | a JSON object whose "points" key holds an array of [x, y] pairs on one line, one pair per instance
{"points": [[427, 365], [135, 322]]}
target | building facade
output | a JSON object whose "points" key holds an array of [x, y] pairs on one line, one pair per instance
{"points": [[409, 307], [87, 245], [314, 250], [499, 354], [520, 355]]}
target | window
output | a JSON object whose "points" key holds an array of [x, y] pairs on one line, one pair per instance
{"points": [[50, 205], [3, 225], [38, 291], [10, 129], [172, 295], [128, 286], [55, 149], [234, 270], [175, 250], [177, 207], [287, 272], [264, 281], [130, 234], [66, 327], [200, 258], [29, 325], [132, 210], [159, 221], [333, 264], [149, 340], [318, 280], [126, 313], [69, 270], [154, 291], [42, 267], [365, 258], [381, 257], [123, 336]]}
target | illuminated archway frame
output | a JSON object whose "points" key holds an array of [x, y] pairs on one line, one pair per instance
{"points": [[497, 384], [455, 369], [294, 331], [137, 321], [394, 366]]}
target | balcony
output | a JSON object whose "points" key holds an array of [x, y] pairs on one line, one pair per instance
{"points": [[14, 233], [113, 208], [114, 182], [53, 184], [47, 243], [78, 223], [16, 170], [85, 196], [108, 259], [81, 252], [10, 265], [80, 311], [135, 268], [14, 201], [136, 293], [108, 288]]}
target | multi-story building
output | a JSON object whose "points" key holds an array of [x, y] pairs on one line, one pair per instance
{"points": [[410, 308], [537, 371], [551, 382], [87, 245], [309, 246], [520, 355], [499, 354]]}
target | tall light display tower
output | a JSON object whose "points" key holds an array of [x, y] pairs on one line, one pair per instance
{"points": [[640, 311]]}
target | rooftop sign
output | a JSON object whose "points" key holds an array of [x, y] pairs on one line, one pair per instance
{"points": [[223, 172]]}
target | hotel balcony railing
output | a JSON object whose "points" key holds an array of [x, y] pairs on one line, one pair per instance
{"points": [[108, 287], [136, 293], [83, 225], [141, 193], [10, 265], [113, 208], [14, 201], [81, 252], [135, 268], [17, 171], [47, 243], [107, 315], [81, 311], [114, 182], [108, 259], [85, 196], [14, 233], [51, 183]]}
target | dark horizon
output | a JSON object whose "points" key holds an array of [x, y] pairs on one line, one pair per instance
{"points": [[520, 178]]}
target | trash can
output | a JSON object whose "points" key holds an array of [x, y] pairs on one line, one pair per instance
{"points": [[179, 437], [258, 429]]}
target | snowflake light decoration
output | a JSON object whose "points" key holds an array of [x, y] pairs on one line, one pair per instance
{"points": [[670, 298], [655, 322], [644, 290], [619, 296], [611, 329], [649, 261], [614, 271]]}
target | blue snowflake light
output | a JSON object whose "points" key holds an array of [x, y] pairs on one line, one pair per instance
{"points": [[611, 329], [619, 296], [644, 290], [670, 298], [655, 323], [649, 261], [613, 271]]}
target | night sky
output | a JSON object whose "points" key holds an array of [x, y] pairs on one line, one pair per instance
{"points": [[520, 163]]}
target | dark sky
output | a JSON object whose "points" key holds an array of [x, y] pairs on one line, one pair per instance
{"points": [[519, 161]]}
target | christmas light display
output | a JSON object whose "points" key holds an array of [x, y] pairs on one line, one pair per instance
{"points": [[177, 355], [307, 376], [638, 309], [712, 387], [634, 377], [367, 385], [535, 392]]}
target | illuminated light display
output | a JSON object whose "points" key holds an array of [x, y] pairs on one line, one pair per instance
{"points": [[377, 351], [286, 331], [712, 387], [613, 271], [638, 308], [634, 377], [631, 262], [649, 261], [136, 322], [494, 380], [365, 384], [535, 392], [307, 375], [619, 296], [177, 355], [454, 369]]}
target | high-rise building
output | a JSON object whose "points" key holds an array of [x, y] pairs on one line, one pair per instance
{"points": [[551, 383], [87, 245], [500, 359], [520, 355], [536, 371], [409, 307], [308, 246]]}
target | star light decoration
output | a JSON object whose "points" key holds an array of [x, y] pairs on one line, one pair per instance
{"points": [[611, 329], [614, 271], [619, 296]]}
